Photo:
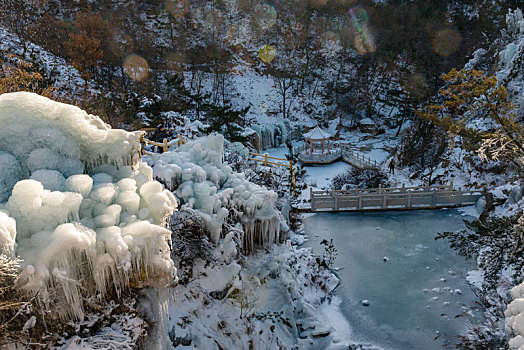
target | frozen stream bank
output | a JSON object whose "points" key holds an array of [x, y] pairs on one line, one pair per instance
{"points": [[414, 295]]}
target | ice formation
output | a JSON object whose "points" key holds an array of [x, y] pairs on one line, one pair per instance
{"points": [[515, 318], [272, 135], [7, 234], [78, 235], [199, 178], [37, 133], [510, 58]]}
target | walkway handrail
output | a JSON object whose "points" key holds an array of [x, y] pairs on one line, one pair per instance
{"points": [[288, 164], [363, 159], [381, 190], [165, 144], [336, 151]]}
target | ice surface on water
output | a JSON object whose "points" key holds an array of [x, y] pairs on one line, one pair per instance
{"points": [[414, 293], [203, 182], [78, 235]]}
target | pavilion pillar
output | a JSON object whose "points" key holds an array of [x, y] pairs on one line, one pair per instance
{"points": [[322, 146]]}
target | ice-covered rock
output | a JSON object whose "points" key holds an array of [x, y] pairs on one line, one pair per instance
{"points": [[67, 237], [515, 194], [37, 133], [199, 178], [78, 235], [515, 318], [7, 234]]}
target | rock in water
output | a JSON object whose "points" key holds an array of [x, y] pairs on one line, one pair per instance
{"points": [[480, 205], [365, 302], [515, 194]]}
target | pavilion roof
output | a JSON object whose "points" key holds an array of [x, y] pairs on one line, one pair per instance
{"points": [[317, 134]]}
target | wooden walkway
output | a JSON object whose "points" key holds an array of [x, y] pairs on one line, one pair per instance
{"points": [[397, 198], [338, 152]]}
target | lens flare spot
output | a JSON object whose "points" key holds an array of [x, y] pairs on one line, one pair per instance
{"points": [[177, 8], [364, 42], [318, 3], [359, 17], [136, 67], [295, 35], [446, 42], [267, 54], [265, 16]]}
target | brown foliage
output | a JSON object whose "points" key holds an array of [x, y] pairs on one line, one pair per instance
{"points": [[19, 76]]}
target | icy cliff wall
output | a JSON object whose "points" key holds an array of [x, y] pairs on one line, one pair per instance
{"points": [[202, 181], [77, 206], [511, 58]]}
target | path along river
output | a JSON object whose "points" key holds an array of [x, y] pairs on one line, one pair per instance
{"points": [[415, 285]]}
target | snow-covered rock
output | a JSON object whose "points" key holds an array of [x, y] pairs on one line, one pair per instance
{"points": [[37, 133], [367, 125]]}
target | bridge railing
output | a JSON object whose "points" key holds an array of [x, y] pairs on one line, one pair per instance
{"points": [[357, 158], [393, 198], [317, 156], [381, 190]]}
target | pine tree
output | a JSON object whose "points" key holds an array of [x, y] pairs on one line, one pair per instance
{"points": [[472, 95]]}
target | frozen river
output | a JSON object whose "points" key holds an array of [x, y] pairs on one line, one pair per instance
{"points": [[415, 295]]}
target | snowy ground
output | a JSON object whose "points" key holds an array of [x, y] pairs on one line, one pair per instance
{"points": [[274, 299]]}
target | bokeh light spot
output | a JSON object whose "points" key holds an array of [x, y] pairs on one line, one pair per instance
{"points": [[177, 8], [363, 39], [265, 16], [364, 42], [446, 42], [267, 53], [136, 67], [359, 16], [295, 35]]}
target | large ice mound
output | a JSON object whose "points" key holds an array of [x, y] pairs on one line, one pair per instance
{"points": [[515, 318], [82, 212], [202, 181], [38, 133]]}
